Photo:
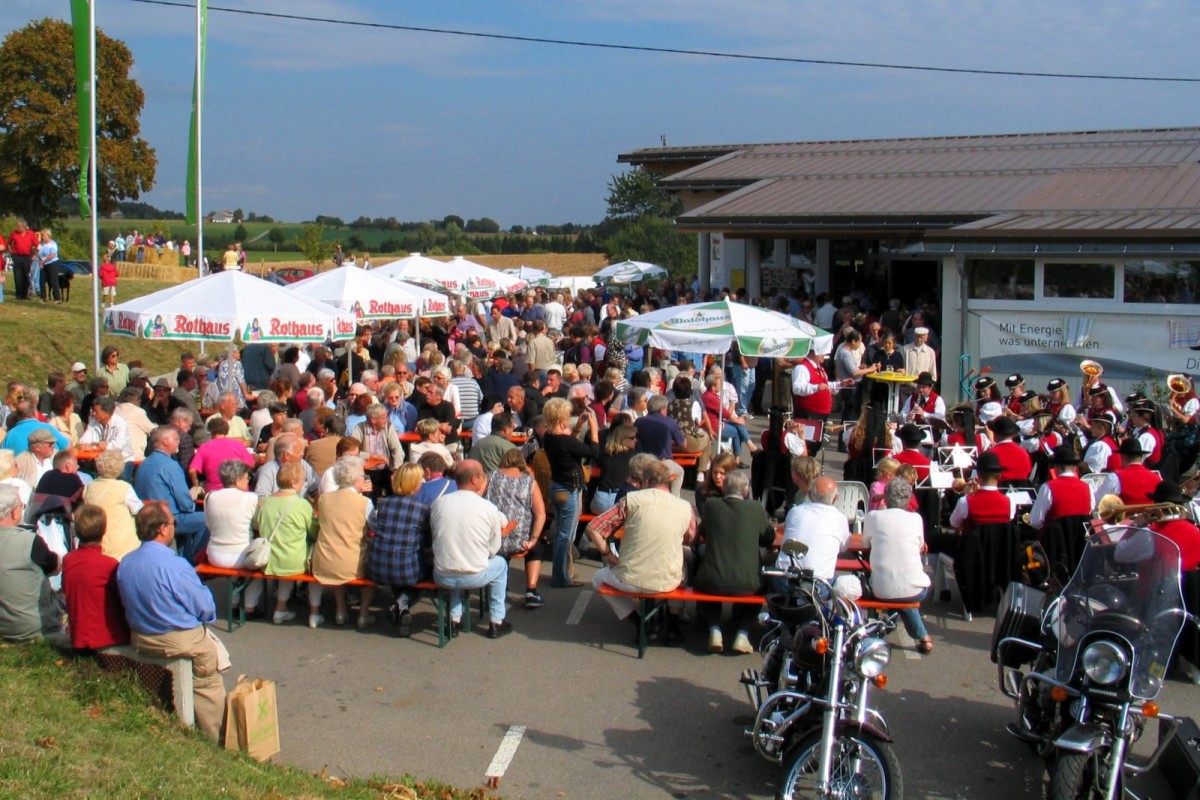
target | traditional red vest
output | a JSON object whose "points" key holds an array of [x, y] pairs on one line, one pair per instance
{"points": [[1015, 461], [1013, 404], [1114, 458], [987, 508], [1069, 497], [1184, 534], [1138, 484], [917, 460], [819, 402]]}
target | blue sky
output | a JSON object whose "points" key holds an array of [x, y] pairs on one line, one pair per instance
{"points": [[306, 118]]}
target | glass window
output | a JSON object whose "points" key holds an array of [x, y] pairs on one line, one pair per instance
{"points": [[1166, 281], [1001, 278], [802, 252], [1079, 280]]}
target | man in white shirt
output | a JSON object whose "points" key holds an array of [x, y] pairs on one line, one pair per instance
{"points": [[108, 426], [823, 316], [139, 425], [820, 526], [919, 356], [467, 531], [556, 314]]}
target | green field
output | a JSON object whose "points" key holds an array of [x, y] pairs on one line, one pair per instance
{"points": [[72, 730]]}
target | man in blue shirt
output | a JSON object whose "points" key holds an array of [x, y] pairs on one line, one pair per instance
{"points": [[161, 478], [658, 434], [436, 483], [17, 438], [401, 413], [168, 608]]}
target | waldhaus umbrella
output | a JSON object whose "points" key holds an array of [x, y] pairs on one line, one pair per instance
{"points": [[629, 272], [714, 327]]}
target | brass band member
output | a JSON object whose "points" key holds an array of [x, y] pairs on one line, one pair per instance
{"points": [[1063, 496], [1015, 384], [1183, 407], [926, 405], [1101, 455], [987, 399], [1058, 400], [1133, 482], [1143, 426]]}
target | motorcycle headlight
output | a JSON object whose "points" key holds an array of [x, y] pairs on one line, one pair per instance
{"points": [[1105, 662], [871, 657]]}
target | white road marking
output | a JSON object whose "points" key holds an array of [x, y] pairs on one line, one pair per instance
{"points": [[908, 643], [580, 606], [506, 751]]}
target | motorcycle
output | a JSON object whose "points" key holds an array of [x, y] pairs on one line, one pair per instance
{"points": [[1099, 653], [821, 656]]}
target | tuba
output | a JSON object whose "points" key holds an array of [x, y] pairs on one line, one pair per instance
{"points": [[1179, 383], [1092, 370]]}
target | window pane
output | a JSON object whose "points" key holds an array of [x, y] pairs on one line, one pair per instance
{"points": [[1151, 281], [1001, 279], [1079, 280]]}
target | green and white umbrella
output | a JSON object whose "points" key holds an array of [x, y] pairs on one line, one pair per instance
{"points": [[629, 272], [531, 275], [713, 328]]}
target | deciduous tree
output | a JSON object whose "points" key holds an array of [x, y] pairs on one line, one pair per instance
{"points": [[641, 224], [39, 166], [312, 244]]}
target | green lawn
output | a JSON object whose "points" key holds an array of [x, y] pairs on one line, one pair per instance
{"points": [[43, 338], [73, 731]]}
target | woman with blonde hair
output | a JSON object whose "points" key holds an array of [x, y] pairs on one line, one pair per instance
{"points": [[340, 554], [619, 449], [286, 518], [401, 553], [119, 502], [566, 453], [513, 490]]}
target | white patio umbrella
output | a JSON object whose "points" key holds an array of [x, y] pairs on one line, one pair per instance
{"points": [[714, 327], [458, 275], [629, 272], [367, 295], [218, 307], [531, 275]]}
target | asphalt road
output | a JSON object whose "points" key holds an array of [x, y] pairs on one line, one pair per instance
{"points": [[597, 722]]}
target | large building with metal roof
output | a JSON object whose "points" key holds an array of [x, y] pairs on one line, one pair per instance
{"points": [[1044, 248]]}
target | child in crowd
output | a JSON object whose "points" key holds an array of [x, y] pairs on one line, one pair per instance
{"points": [[108, 280], [885, 470], [97, 618]]}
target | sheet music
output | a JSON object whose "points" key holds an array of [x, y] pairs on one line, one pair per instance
{"points": [[940, 478]]}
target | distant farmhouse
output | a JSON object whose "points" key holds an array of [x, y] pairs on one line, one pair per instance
{"points": [[221, 217]]}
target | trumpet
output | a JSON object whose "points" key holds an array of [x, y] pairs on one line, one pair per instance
{"points": [[1148, 512]]}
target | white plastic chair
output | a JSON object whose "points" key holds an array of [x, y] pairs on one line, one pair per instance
{"points": [[853, 499]]}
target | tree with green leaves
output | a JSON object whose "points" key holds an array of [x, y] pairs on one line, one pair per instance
{"points": [[39, 158], [311, 242], [276, 237], [640, 224]]}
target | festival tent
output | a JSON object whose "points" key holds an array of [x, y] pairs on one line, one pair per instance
{"points": [[629, 272], [367, 295], [218, 307]]}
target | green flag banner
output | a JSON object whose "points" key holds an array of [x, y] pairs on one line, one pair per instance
{"points": [[193, 170], [81, 26]]}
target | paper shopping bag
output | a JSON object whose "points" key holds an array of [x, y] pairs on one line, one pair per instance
{"points": [[252, 718]]}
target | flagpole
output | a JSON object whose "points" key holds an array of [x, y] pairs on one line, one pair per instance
{"points": [[200, 271], [93, 189]]}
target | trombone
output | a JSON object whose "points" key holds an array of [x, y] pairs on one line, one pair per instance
{"points": [[1148, 513]]}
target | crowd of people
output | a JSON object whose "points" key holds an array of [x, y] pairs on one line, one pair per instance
{"points": [[443, 450]]}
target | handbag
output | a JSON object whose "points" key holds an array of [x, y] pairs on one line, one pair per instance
{"points": [[259, 551]]}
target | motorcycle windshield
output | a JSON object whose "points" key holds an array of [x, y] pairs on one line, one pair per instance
{"points": [[1127, 584]]}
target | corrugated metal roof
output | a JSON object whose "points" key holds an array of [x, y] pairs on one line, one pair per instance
{"points": [[1141, 180], [1119, 224]]}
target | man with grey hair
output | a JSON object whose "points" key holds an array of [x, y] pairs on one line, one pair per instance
{"points": [[820, 526], [733, 529], [160, 477], [129, 408], [227, 407], [467, 533], [27, 606], [379, 438], [288, 449], [659, 434], [896, 538], [658, 529]]}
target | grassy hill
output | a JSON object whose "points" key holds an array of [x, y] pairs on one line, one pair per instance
{"points": [[72, 730]]}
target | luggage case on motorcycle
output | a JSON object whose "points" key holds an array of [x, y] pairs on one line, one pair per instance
{"points": [[1180, 762], [1019, 616]]}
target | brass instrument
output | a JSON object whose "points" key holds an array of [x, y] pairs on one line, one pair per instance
{"points": [[1146, 513], [1179, 383], [1092, 370]]}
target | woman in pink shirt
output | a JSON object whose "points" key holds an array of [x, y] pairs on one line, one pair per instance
{"points": [[215, 452]]}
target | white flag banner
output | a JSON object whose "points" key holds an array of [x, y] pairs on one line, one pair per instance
{"points": [[1078, 331]]}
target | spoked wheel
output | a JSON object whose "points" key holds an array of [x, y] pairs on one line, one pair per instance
{"points": [[1078, 776], [863, 767]]}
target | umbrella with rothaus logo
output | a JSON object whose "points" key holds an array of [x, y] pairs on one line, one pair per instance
{"points": [[531, 275], [458, 276], [369, 296], [225, 305], [713, 328]]}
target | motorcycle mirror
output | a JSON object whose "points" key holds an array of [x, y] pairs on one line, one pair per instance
{"points": [[794, 547]]}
